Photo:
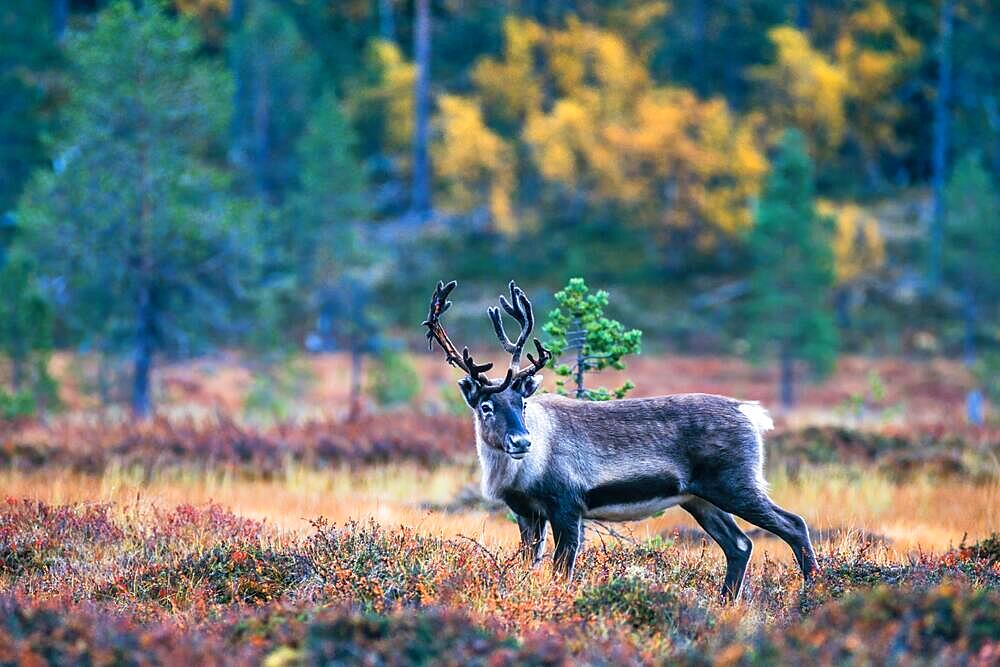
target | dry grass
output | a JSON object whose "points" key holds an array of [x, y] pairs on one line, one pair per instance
{"points": [[923, 514], [136, 584], [165, 572]]}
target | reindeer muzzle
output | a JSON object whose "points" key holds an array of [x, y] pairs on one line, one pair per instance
{"points": [[517, 446]]}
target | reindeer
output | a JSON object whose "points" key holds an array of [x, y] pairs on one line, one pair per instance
{"points": [[556, 461]]}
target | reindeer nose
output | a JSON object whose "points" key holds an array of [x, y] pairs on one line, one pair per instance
{"points": [[518, 446]]}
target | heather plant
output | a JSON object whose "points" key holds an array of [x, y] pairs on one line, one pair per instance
{"points": [[35, 537], [987, 549], [223, 574], [204, 584], [641, 605], [412, 638], [361, 563], [946, 624], [219, 444]]}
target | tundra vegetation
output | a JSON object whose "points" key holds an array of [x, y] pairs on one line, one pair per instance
{"points": [[220, 442], [310, 541]]}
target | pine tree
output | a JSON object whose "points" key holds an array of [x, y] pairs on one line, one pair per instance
{"points": [[972, 245], [25, 335], [322, 231], [134, 223], [27, 52], [578, 324], [327, 239], [789, 311]]}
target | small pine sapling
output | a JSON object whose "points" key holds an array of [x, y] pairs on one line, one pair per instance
{"points": [[578, 324]]}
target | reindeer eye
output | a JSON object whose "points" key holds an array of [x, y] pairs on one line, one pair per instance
{"points": [[486, 407]]}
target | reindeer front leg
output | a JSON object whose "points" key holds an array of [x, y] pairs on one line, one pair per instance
{"points": [[567, 527], [533, 530]]}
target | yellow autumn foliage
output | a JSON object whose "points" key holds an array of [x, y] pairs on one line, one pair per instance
{"points": [[693, 160], [804, 89], [202, 8], [858, 246], [585, 61], [562, 141], [472, 163], [609, 134], [874, 50], [391, 91], [509, 87], [633, 19]]}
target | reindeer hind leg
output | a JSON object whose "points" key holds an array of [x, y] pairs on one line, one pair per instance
{"points": [[749, 502], [734, 543]]}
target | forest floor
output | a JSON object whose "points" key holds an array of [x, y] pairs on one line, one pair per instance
{"points": [[885, 389], [214, 541]]}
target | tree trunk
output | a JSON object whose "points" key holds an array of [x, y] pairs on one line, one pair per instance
{"points": [[993, 117], [842, 306], [143, 362], [237, 14], [803, 15], [262, 126], [386, 21], [940, 147], [420, 201], [699, 26], [580, 391], [60, 16], [969, 317], [787, 377], [16, 372], [357, 366]]}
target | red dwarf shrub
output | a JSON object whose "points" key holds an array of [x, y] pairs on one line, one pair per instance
{"points": [[35, 536]]}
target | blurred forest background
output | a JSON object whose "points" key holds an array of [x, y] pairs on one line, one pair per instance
{"points": [[767, 178]]}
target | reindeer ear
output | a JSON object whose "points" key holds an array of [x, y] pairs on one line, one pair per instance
{"points": [[470, 391], [530, 385]]}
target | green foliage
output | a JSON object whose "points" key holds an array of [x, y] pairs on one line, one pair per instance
{"points": [[972, 237], [393, 380], [987, 373], [25, 337], [452, 401], [605, 341], [323, 235], [226, 573], [792, 276], [988, 549], [626, 139], [27, 58], [320, 228], [871, 402], [15, 405], [643, 606], [278, 79], [135, 222], [278, 388]]}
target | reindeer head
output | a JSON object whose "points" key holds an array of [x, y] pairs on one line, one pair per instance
{"points": [[498, 404]]}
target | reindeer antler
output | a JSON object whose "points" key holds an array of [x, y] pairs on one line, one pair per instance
{"points": [[435, 332], [520, 309], [544, 356]]}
